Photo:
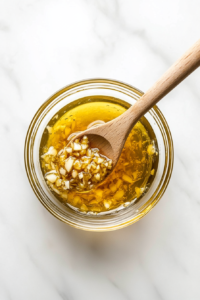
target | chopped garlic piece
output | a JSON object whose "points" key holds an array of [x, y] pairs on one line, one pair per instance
{"points": [[77, 147], [139, 191], [50, 129], [85, 138], [67, 184], [69, 163], [93, 202], [97, 176], [76, 200], [74, 173], [68, 149], [126, 178], [100, 160], [107, 203], [62, 171], [89, 152], [99, 193], [84, 146], [54, 189], [64, 195], [151, 150], [113, 188], [60, 152], [152, 171], [58, 182], [84, 207], [93, 165], [53, 166], [119, 194], [82, 152], [51, 177], [76, 154], [80, 175], [52, 171], [77, 165], [119, 182], [52, 151]]}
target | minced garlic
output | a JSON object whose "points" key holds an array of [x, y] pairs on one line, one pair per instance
{"points": [[76, 166]]}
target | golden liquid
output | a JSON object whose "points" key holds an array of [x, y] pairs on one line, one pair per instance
{"points": [[132, 174]]}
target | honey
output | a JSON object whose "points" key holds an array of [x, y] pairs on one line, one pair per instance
{"points": [[134, 171]]}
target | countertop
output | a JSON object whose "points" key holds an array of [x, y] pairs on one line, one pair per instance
{"points": [[46, 45]]}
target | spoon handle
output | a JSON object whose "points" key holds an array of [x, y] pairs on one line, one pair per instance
{"points": [[171, 78]]}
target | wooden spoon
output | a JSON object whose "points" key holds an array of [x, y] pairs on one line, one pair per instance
{"points": [[111, 137]]}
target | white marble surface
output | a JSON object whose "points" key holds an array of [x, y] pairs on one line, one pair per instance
{"points": [[45, 45]]}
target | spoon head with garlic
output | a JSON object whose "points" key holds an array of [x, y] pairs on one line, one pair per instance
{"points": [[86, 163]]}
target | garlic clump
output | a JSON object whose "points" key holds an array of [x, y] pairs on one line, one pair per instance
{"points": [[76, 167]]}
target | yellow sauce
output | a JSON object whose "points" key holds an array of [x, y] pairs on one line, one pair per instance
{"points": [[130, 177]]}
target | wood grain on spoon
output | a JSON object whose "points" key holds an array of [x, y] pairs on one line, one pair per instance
{"points": [[110, 137]]}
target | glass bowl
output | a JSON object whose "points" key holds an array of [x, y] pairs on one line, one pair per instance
{"points": [[119, 218]]}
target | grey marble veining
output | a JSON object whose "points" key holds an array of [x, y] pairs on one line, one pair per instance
{"points": [[45, 45]]}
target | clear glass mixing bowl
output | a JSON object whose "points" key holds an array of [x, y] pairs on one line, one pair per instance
{"points": [[113, 220]]}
